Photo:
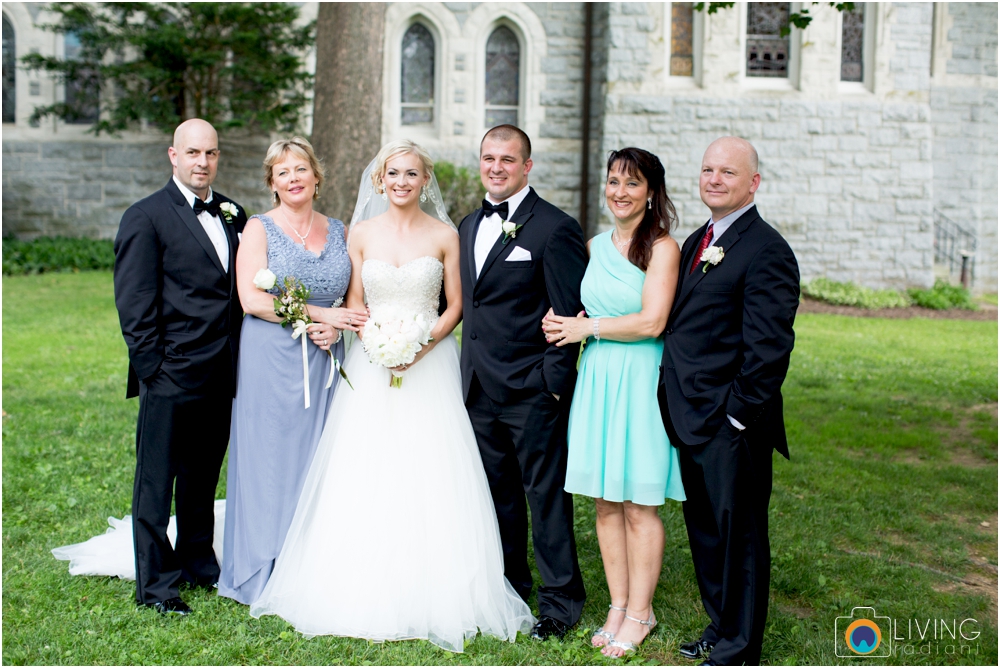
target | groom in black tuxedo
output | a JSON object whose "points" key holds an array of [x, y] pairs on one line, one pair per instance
{"points": [[175, 256], [520, 257], [726, 350]]}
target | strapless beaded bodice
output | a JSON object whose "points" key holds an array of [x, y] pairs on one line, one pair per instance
{"points": [[414, 286]]}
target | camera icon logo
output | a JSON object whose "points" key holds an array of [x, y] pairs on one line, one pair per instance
{"points": [[863, 633]]}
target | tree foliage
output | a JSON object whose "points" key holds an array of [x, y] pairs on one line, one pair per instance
{"points": [[232, 64], [800, 19]]}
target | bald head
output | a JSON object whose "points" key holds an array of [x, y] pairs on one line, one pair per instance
{"points": [[729, 176], [195, 155]]}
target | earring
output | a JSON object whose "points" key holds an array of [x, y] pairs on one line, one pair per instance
{"points": [[423, 194], [649, 203], [385, 195], [275, 198], [316, 192]]}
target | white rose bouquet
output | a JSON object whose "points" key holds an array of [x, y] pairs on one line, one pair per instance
{"points": [[291, 307], [392, 337]]}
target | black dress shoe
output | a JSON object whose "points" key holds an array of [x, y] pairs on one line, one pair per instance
{"points": [[547, 627], [696, 649], [172, 606]]}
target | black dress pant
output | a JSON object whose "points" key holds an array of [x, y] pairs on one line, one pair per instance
{"points": [[181, 439], [524, 450], [728, 485]]}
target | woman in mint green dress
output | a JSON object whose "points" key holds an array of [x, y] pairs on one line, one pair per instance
{"points": [[619, 452]]}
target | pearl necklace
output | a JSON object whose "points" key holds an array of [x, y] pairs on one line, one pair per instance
{"points": [[302, 237], [620, 246]]}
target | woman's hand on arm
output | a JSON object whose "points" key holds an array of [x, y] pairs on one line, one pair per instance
{"points": [[251, 258], [658, 292]]}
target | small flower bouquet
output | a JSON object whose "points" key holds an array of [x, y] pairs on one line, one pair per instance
{"points": [[393, 337], [711, 256], [290, 306]]}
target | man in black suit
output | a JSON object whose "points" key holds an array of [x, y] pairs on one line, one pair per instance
{"points": [[175, 255], [520, 257], [726, 351]]}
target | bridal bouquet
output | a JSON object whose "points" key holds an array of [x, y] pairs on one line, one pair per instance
{"points": [[290, 306], [393, 337]]}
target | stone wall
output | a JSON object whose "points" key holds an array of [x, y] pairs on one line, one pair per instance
{"points": [[846, 178], [964, 113], [80, 187]]}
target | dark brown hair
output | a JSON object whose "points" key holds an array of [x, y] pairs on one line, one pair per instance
{"points": [[506, 133], [658, 219]]}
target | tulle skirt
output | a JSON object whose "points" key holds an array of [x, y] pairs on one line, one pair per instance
{"points": [[395, 536]]}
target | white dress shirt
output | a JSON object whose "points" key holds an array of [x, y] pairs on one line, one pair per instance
{"points": [[490, 228], [718, 229], [213, 226]]}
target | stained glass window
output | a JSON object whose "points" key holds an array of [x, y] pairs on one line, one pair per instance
{"points": [[852, 43], [503, 65], [681, 39], [418, 75], [767, 50], [77, 92], [9, 76]]}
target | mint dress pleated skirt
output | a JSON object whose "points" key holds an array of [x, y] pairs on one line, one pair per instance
{"points": [[618, 448]]}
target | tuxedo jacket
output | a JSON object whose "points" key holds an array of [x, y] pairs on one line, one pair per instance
{"points": [[502, 339], [729, 336], [178, 307]]}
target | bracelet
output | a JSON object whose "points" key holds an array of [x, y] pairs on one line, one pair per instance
{"points": [[597, 329]]}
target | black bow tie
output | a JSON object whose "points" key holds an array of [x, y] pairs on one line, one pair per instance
{"points": [[489, 209], [212, 207]]}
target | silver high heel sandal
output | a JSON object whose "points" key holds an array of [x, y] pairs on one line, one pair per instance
{"points": [[631, 646], [601, 633]]}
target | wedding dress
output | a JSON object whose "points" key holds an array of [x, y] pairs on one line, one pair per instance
{"points": [[395, 536]]}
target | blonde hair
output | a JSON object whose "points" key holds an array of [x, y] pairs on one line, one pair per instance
{"points": [[396, 148], [299, 147]]}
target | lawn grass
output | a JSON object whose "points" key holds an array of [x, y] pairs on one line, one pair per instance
{"points": [[893, 434]]}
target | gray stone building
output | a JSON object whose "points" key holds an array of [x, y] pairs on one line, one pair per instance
{"points": [[877, 128]]}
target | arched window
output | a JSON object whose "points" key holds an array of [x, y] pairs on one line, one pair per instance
{"points": [[9, 76], [417, 75], [81, 93], [767, 49], [503, 69]]}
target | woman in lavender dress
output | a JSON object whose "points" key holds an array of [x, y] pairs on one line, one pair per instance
{"points": [[273, 436]]}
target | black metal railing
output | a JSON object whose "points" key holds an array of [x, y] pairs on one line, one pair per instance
{"points": [[954, 247]]}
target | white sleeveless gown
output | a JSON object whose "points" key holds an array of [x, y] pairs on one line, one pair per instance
{"points": [[395, 535]]}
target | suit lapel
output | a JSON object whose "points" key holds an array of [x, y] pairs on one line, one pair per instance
{"points": [[725, 242], [470, 243], [186, 214], [522, 216]]}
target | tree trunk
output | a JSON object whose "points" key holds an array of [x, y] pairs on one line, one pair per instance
{"points": [[347, 107]]}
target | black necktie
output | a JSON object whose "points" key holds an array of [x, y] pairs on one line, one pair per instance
{"points": [[489, 209], [212, 207]]}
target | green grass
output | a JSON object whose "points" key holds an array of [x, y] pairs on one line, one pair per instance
{"points": [[893, 437]]}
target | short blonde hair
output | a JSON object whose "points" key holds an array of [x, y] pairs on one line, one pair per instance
{"points": [[396, 148], [299, 147]]}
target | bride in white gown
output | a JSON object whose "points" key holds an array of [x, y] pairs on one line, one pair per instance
{"points": [[395, 535]]}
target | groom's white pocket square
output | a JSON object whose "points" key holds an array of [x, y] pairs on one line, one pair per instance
{"points": [[518, 255]]}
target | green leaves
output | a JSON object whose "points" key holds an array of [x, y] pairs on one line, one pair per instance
{"points": [[236, 65], [943, 296], [47, 254]]}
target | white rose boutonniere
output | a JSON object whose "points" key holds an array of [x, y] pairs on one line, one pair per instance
{"points": [[711, 256], [264, 279], [228, 210], [509, 230]]}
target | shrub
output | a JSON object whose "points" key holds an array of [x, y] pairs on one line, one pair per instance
{"points": [[56, 254], [943, 296], [849, 294], [461, 189]]}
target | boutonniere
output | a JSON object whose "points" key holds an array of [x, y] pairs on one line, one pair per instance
{"points": [[711, 256], [509, 230], [228, 210]]}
